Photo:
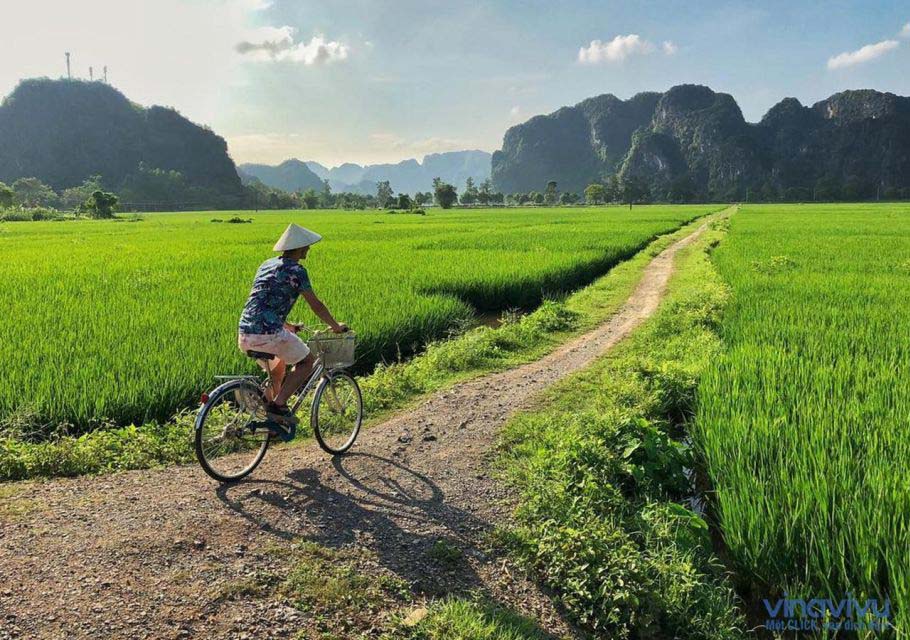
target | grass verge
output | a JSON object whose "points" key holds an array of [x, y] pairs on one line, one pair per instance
{"points": [[461, 619], [390, 387], [602, 472]]}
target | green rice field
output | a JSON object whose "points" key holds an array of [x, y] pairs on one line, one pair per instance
{"points": [[804, 423], [127, 321]]}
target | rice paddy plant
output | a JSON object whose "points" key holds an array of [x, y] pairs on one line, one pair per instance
{"points": [[128, 321], [804, 423]]}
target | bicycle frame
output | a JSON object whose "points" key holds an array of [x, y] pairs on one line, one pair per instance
{"points": [[318, 370]]}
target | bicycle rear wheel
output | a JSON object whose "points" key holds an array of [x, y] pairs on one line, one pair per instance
{"points": [[337, 412], [230, 439]]}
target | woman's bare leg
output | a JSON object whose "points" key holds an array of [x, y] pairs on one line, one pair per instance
{"points": [[277, 369], [297, 377]]}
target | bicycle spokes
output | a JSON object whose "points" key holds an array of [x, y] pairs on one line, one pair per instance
{"points": [[337, 412], [227, 443]]}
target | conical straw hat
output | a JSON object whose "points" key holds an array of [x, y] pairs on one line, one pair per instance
{"points": [[295, 237]]}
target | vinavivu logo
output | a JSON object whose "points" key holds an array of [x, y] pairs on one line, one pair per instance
{"points": [[815, 614]]}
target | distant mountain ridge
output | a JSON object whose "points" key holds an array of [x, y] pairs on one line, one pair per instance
{"points": [[63, 131], [407, 176], [695, 143], [291, 175]]}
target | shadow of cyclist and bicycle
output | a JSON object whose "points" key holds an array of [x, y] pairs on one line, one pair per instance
{"points": [[396, 512]]}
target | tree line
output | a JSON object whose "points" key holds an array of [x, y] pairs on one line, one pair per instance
{"points": [[151, 188], [627, 190], [37, 200]]}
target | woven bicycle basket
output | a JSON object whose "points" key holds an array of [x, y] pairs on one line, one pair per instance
{"points": [[334, 350]]}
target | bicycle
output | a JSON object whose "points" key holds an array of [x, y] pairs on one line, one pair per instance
{"points": [[231, 428]]}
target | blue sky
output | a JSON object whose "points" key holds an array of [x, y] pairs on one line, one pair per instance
{"points": [[375, 81]]}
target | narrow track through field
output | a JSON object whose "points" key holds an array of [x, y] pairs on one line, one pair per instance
{"points": [[140, 554]]}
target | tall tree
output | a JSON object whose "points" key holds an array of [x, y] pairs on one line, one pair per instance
{"points": [[594, 193], [445, 194], [485, 193], [6, 196], [383, 193], [31, 192], [470, 192], [310, 198], [613, 189], [551, 195], [326, 200]]}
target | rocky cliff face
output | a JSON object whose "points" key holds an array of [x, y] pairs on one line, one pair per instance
{"points": [[855, 142], [63, 131], [575, 145]]}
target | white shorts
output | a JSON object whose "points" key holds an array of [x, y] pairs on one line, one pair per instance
{"points": [[284, 344]]}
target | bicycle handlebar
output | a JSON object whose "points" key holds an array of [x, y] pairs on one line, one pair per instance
{"points": [[321, 328]]}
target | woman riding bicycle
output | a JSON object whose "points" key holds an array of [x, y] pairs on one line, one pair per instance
{"points": [[263, 323]]}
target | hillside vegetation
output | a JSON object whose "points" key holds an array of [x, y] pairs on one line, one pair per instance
{"points": [[692, 144], [62, 132]]}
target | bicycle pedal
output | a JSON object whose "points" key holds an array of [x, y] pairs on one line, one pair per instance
{"points": [[287, 434], [277, 430]]}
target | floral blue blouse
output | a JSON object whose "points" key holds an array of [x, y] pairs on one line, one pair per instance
{"points": [[277, 285]]}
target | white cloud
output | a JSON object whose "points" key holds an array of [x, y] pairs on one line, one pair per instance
{"points": [[387, 140], [515, 111], [418, 146], [864, 54], [278, 44], [905, 32], [620, 48]]}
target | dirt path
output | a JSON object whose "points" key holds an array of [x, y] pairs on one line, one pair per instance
{"points": [[140, 554]]}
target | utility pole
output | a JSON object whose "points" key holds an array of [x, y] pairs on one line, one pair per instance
{"points": [[105, 74], [91, 74], [69, 76]]}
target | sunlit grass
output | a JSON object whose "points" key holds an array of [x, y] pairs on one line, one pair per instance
{"points": [[805, 420], [129, 321]]}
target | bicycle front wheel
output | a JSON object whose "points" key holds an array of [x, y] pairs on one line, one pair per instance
{"points": [[230, 439], [337, 412]]}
